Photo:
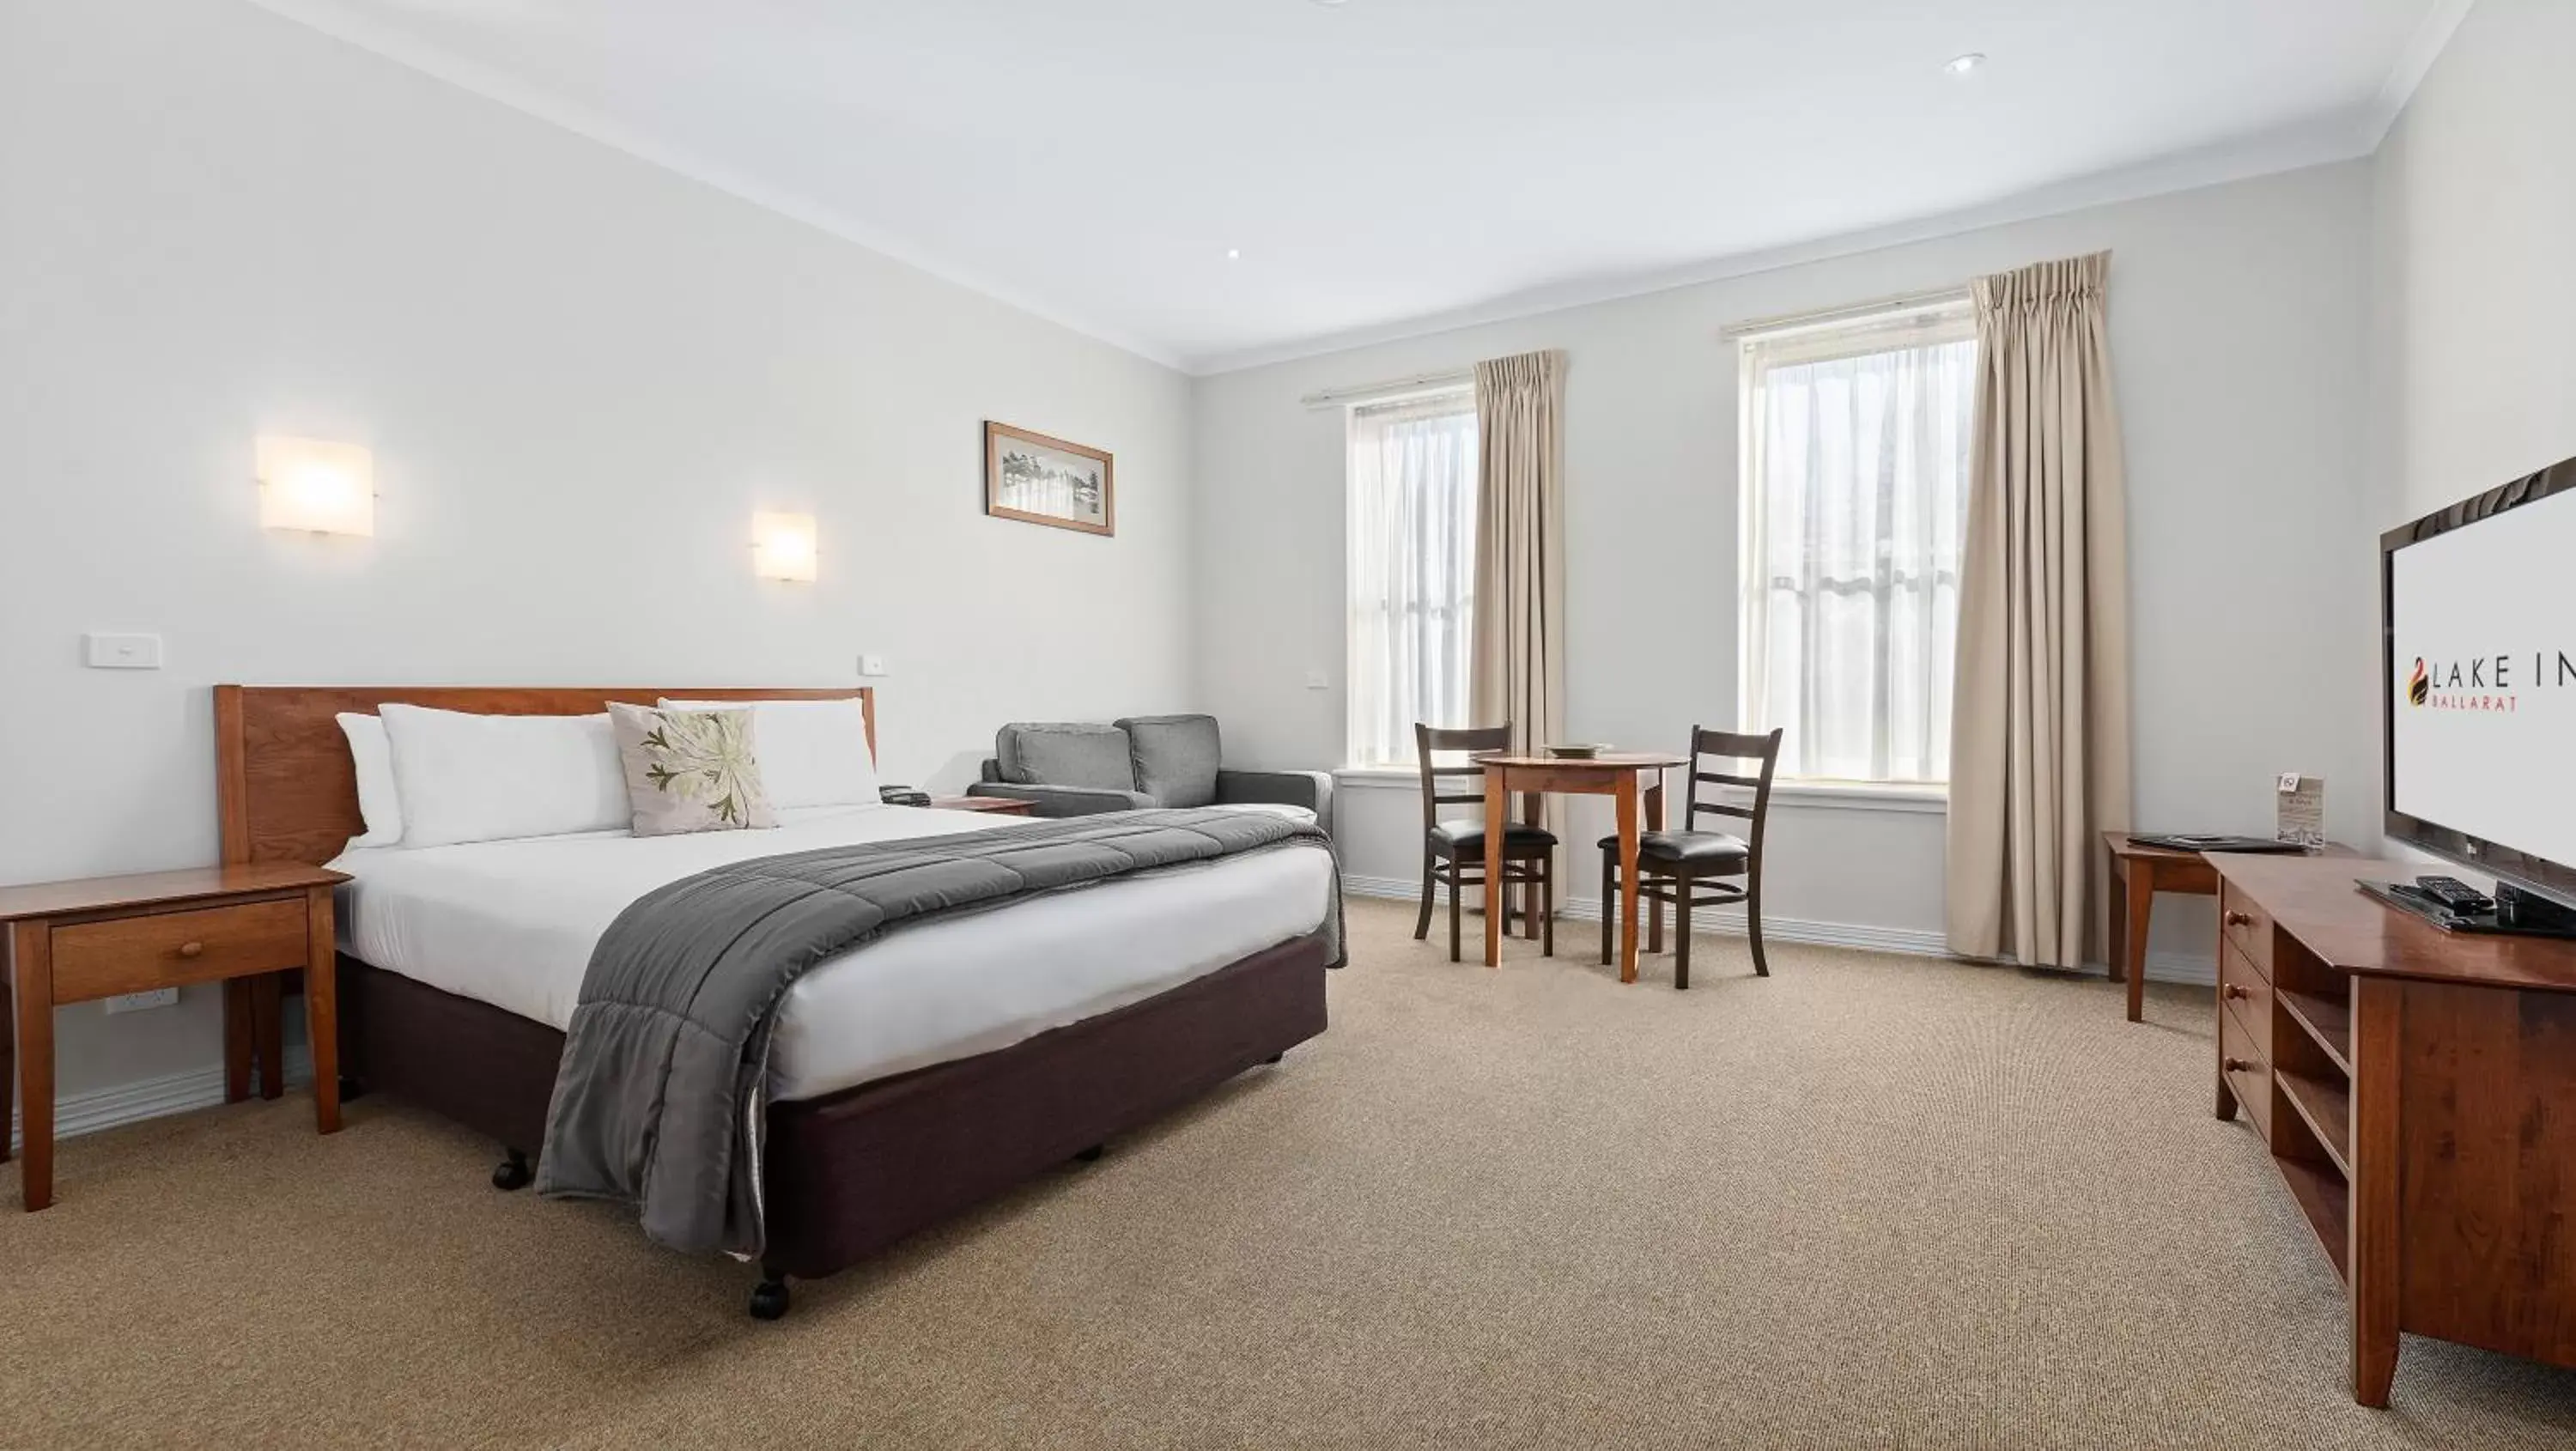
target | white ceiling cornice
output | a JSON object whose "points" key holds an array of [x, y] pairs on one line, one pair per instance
{"points": [[482, 81], [1164, 311], [2414, 62], [2317, 145]]}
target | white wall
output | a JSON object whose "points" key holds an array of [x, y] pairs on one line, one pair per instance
{"points": [[2237, 331], [2473, 301], [579, 373], [2473, 288]]}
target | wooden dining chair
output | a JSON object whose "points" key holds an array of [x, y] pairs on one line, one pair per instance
{"points": [[1673, 865], [1453, 848]]}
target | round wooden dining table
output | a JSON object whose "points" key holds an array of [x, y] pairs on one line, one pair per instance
{"points": [[1624, 776]]}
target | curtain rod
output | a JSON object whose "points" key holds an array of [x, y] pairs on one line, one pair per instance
{"points": [[1370, 392], [1956, 296]]}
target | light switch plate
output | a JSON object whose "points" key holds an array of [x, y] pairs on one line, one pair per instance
{"points": [[102, 651], [159, 997], [872, 665]]}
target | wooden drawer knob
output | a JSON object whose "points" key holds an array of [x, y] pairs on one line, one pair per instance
{"points": [[2237, 1065], [2234, 991], [2239, 919], [191, 949]]}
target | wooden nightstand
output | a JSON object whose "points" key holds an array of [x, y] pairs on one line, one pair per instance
{"points": [[991, 805], [71, 942]]}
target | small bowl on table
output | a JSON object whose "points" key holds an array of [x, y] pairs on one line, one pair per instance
{"points": [[1577, 752]]}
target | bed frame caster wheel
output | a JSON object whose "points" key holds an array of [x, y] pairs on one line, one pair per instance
{"points": [[1090, 1155], [1273, 1059], [512, 1172], [769, 1299]]}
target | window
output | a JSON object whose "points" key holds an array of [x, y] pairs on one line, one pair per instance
{"points": [[1412, 569], [1854, 491]]}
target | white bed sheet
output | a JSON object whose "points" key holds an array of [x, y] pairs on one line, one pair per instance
{"points": [[512, 923]]}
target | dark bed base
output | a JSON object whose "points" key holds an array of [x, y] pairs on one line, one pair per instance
{"points": [[853, 1172]]}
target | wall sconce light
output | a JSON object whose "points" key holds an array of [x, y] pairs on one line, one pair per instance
{"points": [[326, 488], [782, 546]]}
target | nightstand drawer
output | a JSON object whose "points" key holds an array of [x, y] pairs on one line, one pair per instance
{"points": [[133, 954]]}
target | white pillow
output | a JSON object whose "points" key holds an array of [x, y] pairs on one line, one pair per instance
{"points": [[811, 752], [494, 777], [379, 803]]}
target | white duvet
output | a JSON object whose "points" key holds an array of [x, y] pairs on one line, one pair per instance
{"points": [[512, 923]]}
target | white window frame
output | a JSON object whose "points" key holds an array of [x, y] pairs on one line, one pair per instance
{"points": [[1366, 686], [1844, 333]]}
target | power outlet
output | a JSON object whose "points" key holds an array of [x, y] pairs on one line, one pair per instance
{"points": [[159, 997], [101, 650], [872, 666]]}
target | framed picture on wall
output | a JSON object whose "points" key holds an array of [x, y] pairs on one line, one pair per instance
{"points": [[1040, 480]]}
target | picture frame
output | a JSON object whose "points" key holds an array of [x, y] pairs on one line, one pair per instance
{"points": [[1040, 479]]}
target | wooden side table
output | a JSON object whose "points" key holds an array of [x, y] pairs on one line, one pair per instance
{"points": [[71, 942], [989, 805], [2138, 872]]}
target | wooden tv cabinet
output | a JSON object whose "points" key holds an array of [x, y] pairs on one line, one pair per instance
{"points": [[2418, 1091]]}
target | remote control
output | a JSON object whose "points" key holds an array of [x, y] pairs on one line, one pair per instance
{"points": [[2455, 895]]}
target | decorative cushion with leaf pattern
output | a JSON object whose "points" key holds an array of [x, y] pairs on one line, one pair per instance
{"points": [[690, 770]]}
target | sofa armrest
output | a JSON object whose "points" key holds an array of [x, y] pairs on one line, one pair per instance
{"points": [[1310, 789], [1063, 800]]}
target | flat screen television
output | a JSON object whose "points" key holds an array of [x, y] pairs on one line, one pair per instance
{"points": [[2478, 615]]}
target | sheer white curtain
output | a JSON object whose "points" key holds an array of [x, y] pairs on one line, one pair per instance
{"points": [[1412, 570], [1856, 443]]}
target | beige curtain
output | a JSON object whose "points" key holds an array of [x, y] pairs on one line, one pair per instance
{"points": [[2039, 726], [1517, 669]]}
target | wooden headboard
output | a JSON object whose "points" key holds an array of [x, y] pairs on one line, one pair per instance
{"points": [[282, 774]]}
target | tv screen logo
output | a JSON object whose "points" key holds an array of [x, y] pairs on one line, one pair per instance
{"points": [[2485, 683]]}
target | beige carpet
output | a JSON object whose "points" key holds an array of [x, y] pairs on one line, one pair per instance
{"points": [[1872, 1201]]}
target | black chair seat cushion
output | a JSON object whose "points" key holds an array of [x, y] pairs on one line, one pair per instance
{"points": [[1697, 848], [1469, 836]]}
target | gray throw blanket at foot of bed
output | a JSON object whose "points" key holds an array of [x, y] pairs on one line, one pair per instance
{"points": [[661, 1100]]}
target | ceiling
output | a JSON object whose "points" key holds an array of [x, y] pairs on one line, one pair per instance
{"points": [[1384, 165]]}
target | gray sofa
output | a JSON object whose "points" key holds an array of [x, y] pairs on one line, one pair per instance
{"points": [[1075, 769]]}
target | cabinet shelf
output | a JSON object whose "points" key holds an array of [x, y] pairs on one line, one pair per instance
{"points": [[2326, 1201], [2327, 1020], [2326, 1104]]}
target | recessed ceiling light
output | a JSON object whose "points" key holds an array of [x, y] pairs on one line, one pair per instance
{"points": [[1235, 254], [1960, 65]]}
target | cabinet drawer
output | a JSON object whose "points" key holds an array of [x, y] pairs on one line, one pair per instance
{"points": [[2242, 988], [2248, 927], [2247, 1071], [132, 954]]}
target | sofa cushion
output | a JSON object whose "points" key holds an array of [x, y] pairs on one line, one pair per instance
{"points": [[1175, 757], [1064, 753]]}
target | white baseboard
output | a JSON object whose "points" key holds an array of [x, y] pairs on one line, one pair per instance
{"points": [[1912, 941], [125, 1103]]}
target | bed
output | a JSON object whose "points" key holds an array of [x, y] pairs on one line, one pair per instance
{"points": [[910, 1079]]}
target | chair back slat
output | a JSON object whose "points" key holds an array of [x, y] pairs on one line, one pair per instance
{"points": [[1732, 747], [1430, 740]]}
